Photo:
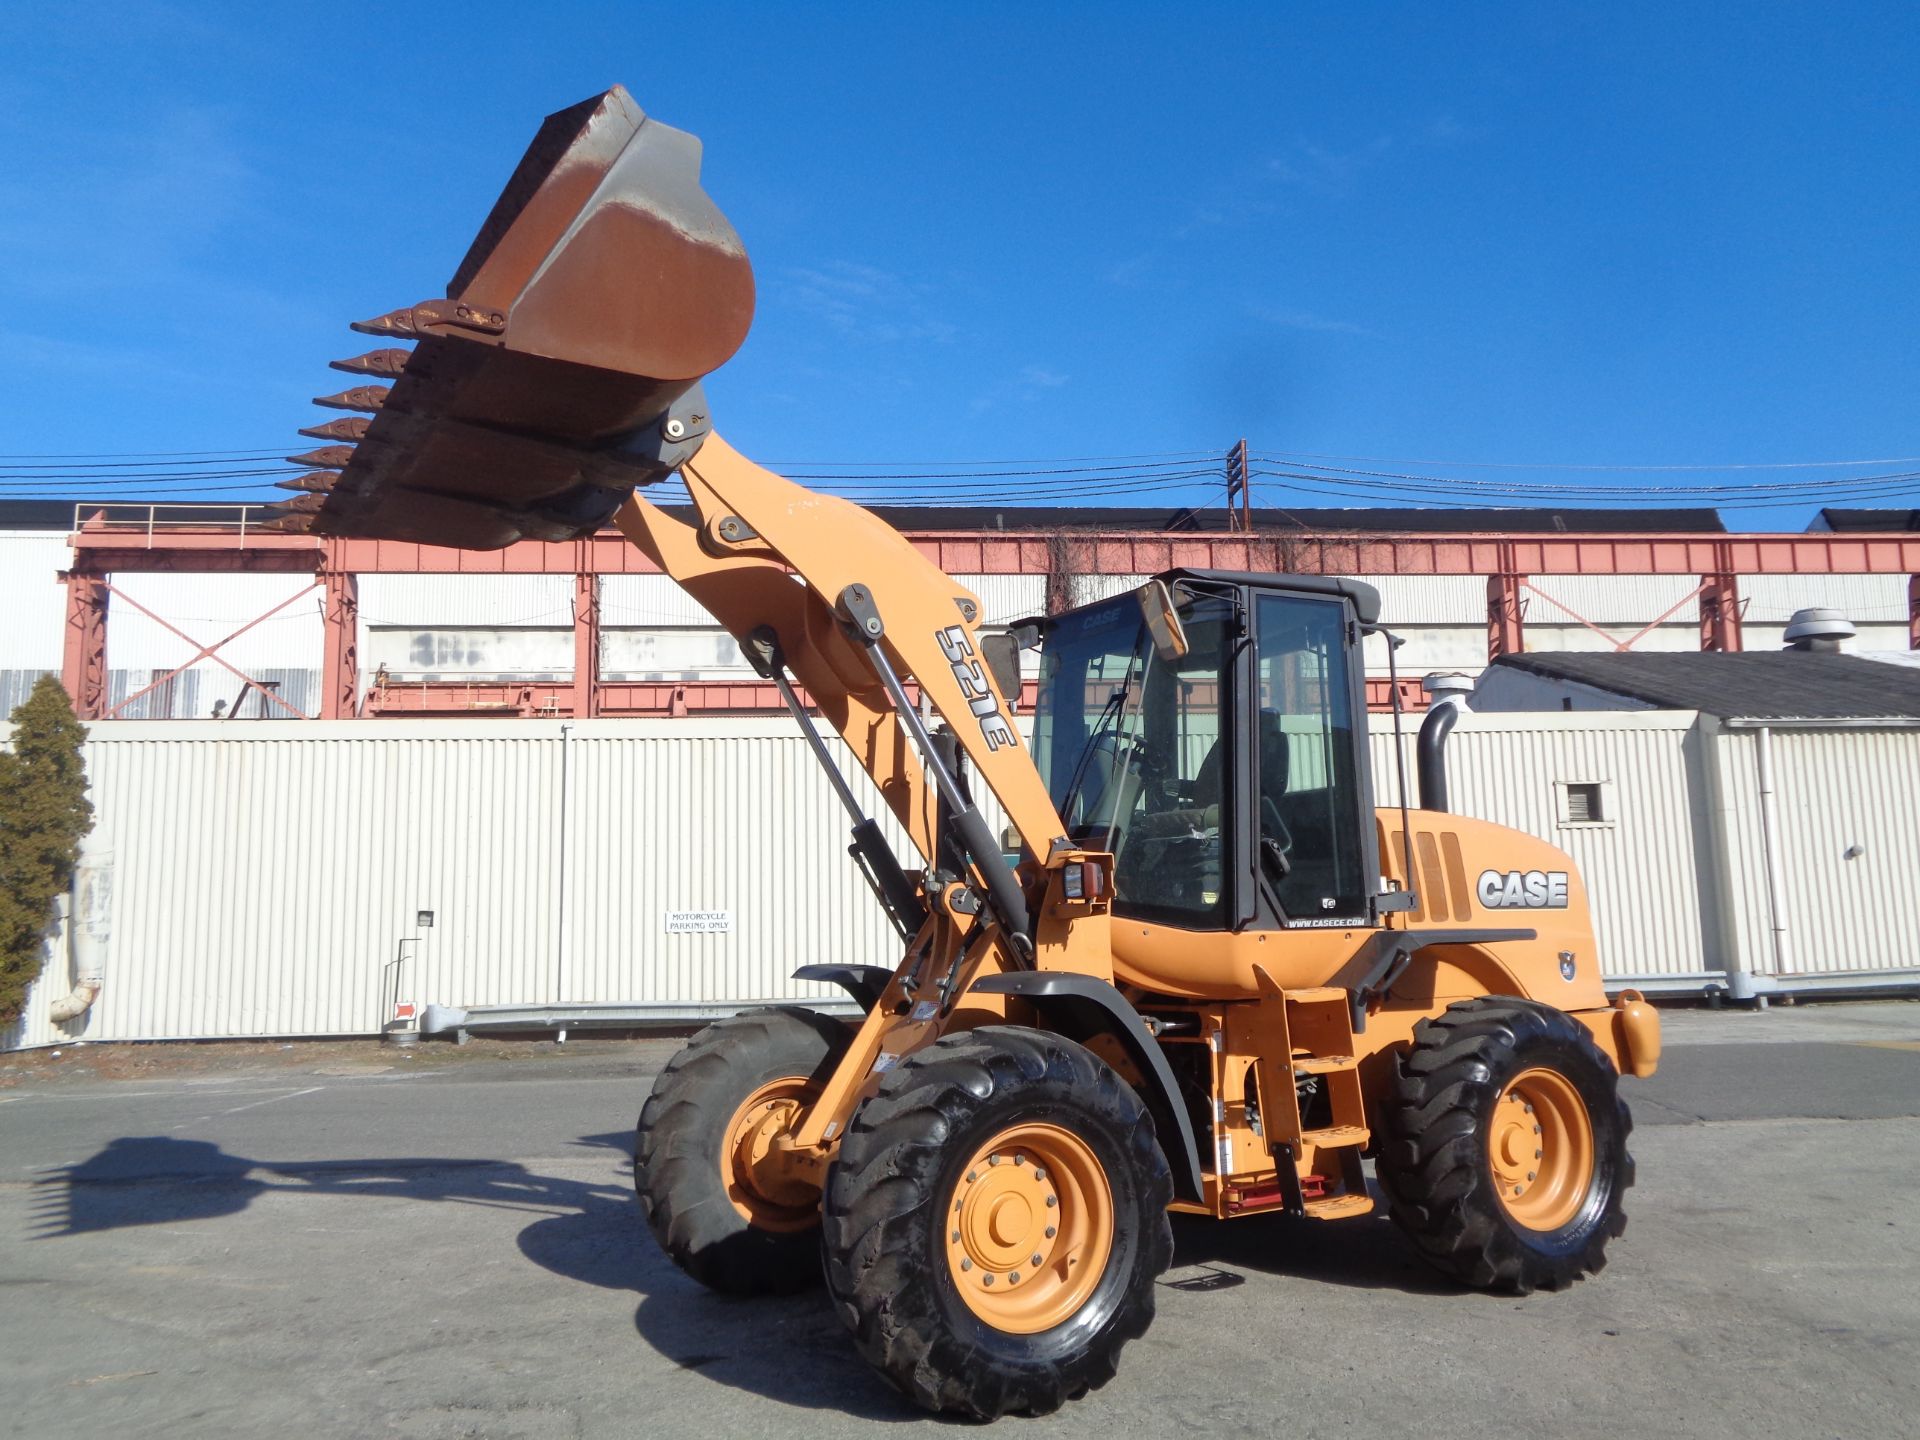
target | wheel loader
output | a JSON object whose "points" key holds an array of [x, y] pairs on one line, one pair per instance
{"points": [[1205, 970]]}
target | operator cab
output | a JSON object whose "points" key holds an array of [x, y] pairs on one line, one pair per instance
{"points": [[1219, 755]]}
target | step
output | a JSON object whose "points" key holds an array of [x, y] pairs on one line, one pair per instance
{"points": [[1335, 1136], [1321, 995], [1338, 1207], [1321, 1064]]}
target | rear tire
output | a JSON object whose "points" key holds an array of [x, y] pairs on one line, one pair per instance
{"points": [[712, 1109], [981, 1154], [1505, 1156]]}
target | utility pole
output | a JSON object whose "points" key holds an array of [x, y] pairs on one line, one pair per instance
{"points": [[1239, 488]]}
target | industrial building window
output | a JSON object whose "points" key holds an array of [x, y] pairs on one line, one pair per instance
{"points": [[1585, 802]]}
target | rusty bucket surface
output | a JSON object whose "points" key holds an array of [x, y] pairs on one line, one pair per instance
{"points": [[563, 366]]}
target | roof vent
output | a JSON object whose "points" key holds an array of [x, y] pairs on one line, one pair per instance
{"points": [[1447, 686], [1817, 630]]}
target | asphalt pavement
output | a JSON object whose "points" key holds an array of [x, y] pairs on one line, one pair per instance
{"points": [[370, 1244]]}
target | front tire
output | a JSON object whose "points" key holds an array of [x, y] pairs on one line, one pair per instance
{"points": [[711, 1116], [995, 1221], [1505, 1157]]}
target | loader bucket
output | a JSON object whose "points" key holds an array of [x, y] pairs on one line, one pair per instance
{"points": [[563, 366]]}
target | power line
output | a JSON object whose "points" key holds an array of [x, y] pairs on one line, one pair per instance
{"points": [[1298, 455]]}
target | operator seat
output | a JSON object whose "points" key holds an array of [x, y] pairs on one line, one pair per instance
{"points": [[1275, 759]]}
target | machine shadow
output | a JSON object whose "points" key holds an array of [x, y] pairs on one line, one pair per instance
{"points": [[793, 1350], [1367, 1252]]}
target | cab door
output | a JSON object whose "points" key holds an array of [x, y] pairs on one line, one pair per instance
{"points": [[1308, 800]]}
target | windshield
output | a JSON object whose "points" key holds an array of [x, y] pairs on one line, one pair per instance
{"points": [[1130, 748]]}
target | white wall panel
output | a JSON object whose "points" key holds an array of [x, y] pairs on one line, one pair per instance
{"points": [[1837, 791], [1863, 599], [267, 874], [1431, 599], [1005, 598], [1624, 602], [1653, 906], [423, 602], [647, 601], [671, 655], [469, 653], [32, 599], [209, 608]]}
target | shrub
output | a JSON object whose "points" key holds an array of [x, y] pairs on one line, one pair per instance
{"points": [[44, 812]]}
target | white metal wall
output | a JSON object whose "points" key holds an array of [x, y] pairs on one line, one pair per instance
{"points": [[1654, 912], [262, 883], [265, 878], [1847, 803]]}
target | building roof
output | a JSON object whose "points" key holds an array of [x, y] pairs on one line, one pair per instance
{"points": [[1749, 685], [1372, 519], [58, 515], [1870, 521]]}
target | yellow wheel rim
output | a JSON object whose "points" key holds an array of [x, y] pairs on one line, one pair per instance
{"points": [[1541, 1149], [1028, 1227], [765, 1194]]}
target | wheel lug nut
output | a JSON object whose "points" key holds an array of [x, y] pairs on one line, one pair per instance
{"points": [[956, 1237], [1529, 1174], [1034, 1261], [1051, 1232], [972, 1175], [1051, 1202], [1019, 1159], [993, 1160], [987, 1280], [1538, 1153], [966, 1264], [1038, 1173], [1014, 1278]]}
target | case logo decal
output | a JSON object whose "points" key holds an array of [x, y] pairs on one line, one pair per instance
{"points": [[1523, 889]]}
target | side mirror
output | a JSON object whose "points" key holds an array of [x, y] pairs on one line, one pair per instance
{"points": [[1002, 654], [1163, 624]]}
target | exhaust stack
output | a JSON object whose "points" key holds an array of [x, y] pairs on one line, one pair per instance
{"points": [[1447, 698]]}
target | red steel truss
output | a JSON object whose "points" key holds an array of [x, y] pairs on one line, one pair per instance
{"points": [[1714, 562]]}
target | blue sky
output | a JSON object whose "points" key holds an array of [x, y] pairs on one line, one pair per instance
{"points": [[1551, 235]]}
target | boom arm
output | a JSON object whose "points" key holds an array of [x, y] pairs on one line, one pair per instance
{"points": [[858, 611]]}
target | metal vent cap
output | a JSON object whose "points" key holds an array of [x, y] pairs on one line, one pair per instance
{"points": [[1817, 629]]}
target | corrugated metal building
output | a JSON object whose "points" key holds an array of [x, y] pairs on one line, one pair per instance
{"points": [[268, 877], [507, 640]]}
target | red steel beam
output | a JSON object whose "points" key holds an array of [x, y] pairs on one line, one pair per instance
{"points": [[340, 661], [586, 644], [83, 653], [1720, 607], [100, 548]]}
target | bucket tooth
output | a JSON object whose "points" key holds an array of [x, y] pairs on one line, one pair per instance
{"points": [[298, 505], [350, 428], [328, 457], [362, 397], [288, 524], [314, 482], [394, 325], [388, 363]]}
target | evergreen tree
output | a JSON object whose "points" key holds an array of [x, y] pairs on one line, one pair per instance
{"points": [[44, 811]]}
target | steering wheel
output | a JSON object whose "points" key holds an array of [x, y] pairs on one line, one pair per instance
{"points": [[1095, 772], [1272, 827]]}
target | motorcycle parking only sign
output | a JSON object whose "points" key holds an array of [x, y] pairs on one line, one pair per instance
{"points": [[699, 922]]}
